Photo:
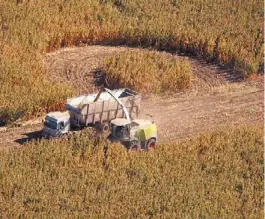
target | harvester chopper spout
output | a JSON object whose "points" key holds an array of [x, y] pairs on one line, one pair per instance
{"points": [[117, 99]]}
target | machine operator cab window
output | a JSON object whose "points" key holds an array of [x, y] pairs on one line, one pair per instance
{"points": [[121, 131], [54, 125], [121, 128], [50, 123], [126, 131], [61, 125]]}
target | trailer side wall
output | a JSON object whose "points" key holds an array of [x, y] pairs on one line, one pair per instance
{"points": [[104, 111]]}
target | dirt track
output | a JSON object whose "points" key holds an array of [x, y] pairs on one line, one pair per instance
{"points": [[217, 97]]}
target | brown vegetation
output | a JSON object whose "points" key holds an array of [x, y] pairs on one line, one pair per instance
{"points": [[147, 72], [217, 175], [228, 32]]}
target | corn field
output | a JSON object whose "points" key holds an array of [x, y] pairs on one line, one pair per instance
{"points": [[229, 32], [147, 72], [218, 175]]}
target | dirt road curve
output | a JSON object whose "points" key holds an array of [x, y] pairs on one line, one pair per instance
{"points": [[190, 114], [217, 98]]}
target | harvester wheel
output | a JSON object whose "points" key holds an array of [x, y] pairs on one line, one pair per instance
{"points": [[151, 144], [134, 146]]}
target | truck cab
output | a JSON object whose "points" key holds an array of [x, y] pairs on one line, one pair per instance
{"points": [[56, 124], [137, 134]]}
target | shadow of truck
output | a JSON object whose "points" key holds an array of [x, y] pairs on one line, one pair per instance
{"points": [[31, 136]]}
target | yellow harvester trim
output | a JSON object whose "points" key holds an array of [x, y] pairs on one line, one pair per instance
{"points": [[146, 132]]}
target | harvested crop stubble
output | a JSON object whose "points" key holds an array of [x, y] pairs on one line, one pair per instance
{"points": [[217, 175], [147, 72]]}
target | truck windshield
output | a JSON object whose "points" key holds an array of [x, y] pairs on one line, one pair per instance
{"points": [[50, 124]]}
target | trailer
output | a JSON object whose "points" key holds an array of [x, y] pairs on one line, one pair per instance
{"points": [[99, 109]]}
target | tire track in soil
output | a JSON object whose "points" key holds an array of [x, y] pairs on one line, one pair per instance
{"points": [[187, 115], [217, 98]]}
